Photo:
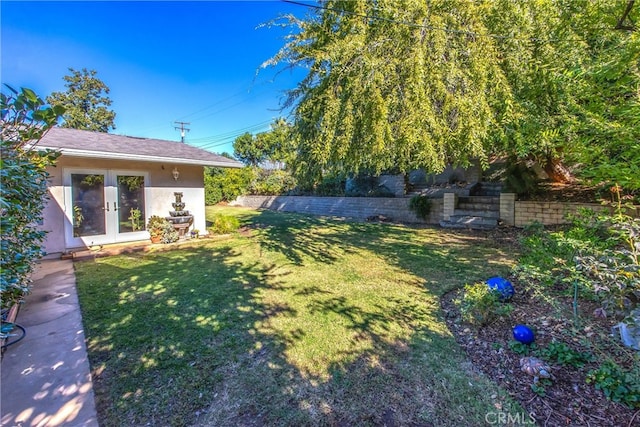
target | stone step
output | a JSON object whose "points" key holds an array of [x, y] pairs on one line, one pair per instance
{"points": [[478, 206], [490, 193], [480, 199], [472, 219], [489, 214], [488, 189], [472, 222]]}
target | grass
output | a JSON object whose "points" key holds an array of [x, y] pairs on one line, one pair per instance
{"points": [[301, 321]]}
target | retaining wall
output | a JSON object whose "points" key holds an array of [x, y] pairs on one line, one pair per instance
{"points": [[394, 208], [553, 213], [512, 212]]}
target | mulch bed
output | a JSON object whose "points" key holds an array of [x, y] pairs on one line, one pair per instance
{"points": [[568, 400]]}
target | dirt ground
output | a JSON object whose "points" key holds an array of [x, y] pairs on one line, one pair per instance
{"points": [[558, 192], [567, 400]]}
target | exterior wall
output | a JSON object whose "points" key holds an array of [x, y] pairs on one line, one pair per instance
{"points": [[397, 209], [159, 193]]}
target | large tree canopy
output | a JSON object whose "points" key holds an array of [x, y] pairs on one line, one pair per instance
{"points": [[85, 102], [407, 84], [574, 80], [393, 85], [272, 146]]}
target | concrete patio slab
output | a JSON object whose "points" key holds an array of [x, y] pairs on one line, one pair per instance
{"points": [[46, 380]]}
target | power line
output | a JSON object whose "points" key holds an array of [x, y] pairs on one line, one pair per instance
{"points": [[230, 97], [249, 128], [227, 137]]}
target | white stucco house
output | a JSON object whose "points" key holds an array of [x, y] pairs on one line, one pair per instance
{"points": [[104, 187]]}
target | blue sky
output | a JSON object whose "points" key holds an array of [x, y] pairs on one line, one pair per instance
{"points": [[196, 62]]}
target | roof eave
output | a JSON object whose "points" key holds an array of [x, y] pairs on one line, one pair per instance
{"points": [[71, 152]]}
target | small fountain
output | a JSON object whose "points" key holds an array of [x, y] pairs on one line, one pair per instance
{"points": [[180, 218]]}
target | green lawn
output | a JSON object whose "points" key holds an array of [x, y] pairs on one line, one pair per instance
{"points": [[299, 321]]}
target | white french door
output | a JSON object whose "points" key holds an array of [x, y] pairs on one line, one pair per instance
{"points": [[104, 206]]}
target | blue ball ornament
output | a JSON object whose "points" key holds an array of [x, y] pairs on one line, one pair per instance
{"points": [[502, 286], [523, 334]]}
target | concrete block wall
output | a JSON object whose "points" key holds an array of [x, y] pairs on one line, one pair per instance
{"points": [[507, 209], [550, 213], [449, 203], [397, 209], [512, 212]]}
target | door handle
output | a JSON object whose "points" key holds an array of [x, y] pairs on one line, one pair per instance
{"points": [[107, 209], [115, 206]]}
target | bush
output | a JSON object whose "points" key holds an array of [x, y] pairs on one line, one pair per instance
{"points": [[421, 206], [597, 255], [560, 353], [521, 179], [23, 188], [224, 224], [481, 305], [334, 186], [617, 384], [225, 185], [169, 233], [272, 182]]}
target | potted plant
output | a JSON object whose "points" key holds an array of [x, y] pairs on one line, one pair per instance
{"points": [[195, 233], [155, 227]]}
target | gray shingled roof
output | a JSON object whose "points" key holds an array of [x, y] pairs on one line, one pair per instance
{"points": [[82, 143]]}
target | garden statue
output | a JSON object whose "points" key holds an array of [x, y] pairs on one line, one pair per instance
{"points": [[535, 367]]}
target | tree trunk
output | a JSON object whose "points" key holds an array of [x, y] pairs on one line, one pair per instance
{"points": [[557, 172]]}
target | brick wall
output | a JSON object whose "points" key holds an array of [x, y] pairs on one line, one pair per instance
{"points": [[397, 209]]}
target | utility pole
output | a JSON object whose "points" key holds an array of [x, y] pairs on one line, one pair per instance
{"points": [[182, 129]]}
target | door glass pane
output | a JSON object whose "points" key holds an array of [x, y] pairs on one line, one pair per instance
{"points": [[131, 215], [87, 198]]}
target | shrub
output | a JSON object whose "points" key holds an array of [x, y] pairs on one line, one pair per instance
{"points": [[520, 178], [272, 182], [225, 185], [480, 305], [23, 188], [421, 206], [614, 273], [169, 233], [561, 353], [598, 254], [223, 224], [155, 225], [334, 186], [617, 384]]}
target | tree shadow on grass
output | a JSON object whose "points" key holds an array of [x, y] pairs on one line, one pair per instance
{"points": [[163, 327], [437, 255], [200, 337]]}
